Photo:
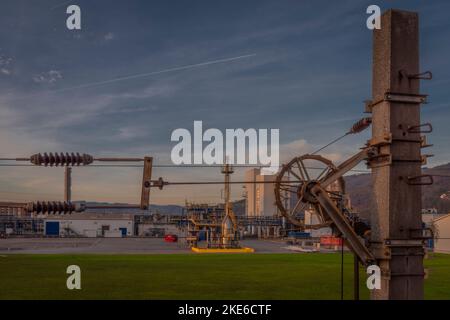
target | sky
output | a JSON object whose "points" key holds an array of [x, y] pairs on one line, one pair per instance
{"points": [[303, 67]]}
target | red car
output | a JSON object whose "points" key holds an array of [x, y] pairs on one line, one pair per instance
{"points": [[171, 238]]}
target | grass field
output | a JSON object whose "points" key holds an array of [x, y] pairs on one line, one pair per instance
{"points": [[239, 276]]}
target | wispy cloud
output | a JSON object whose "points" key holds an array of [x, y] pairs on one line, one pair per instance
{"points": [[109, 36], [51, 76], [148, 74], [5, 65]]}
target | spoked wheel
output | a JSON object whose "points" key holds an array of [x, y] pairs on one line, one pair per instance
{"points": [[293, 185]]}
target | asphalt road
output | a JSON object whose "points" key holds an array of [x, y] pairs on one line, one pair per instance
{"points": [[117, 246]]}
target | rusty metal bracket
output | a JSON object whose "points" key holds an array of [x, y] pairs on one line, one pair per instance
{"points": [[160, 183], [380, 160], [425, 158], [380, 141], [146, 178], [403, 242], [427, 75], [424, 143], [419, 180], [419, 128], [405, 98], [367, 106], [422, 160], [396, 97]]}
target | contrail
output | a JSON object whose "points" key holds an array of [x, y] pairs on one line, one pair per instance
{"points": [[135, 76], [142, 75]]}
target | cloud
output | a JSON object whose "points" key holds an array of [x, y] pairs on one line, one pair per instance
{"points": [[48, 77], [301, 147], [19, 144], [109, 36], [5, 65]]}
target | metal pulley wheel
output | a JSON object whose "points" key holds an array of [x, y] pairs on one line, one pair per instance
{"points": [[293, 185]]}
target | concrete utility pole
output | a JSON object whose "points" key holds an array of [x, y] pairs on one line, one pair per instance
{"points": [[397, 241], [67, 184]]}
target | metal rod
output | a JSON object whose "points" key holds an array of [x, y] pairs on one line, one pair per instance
{"points": [[14, 159], [126, 206], [342, 268], [107, 206], [67, 184], [355, 277], [221, 182], [166, 166], [330, 143], [119, 159]]}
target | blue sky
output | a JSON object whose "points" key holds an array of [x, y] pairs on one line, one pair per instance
{"points": [[309, 72]]}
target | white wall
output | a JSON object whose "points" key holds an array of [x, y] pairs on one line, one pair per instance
{"points": [[265, 196], [169, 229], [93, 228], [443, 231], [250, 188]]}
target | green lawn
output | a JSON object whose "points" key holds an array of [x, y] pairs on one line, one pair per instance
{"points": [[243, 276]]}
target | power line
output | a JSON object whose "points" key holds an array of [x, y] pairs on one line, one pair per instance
{"points": [[330, 143], [166, 166]]}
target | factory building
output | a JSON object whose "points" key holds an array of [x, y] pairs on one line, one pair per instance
{"points": [[90, 225], [260, 197], [442, 234], [311, 218], [13, 211]]}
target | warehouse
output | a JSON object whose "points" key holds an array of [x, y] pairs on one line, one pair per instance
{"points": [[90, 225], [442, 234]]}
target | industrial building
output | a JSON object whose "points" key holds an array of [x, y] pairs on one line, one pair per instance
{"points": [[156, 225], [12, 210], [90, 225], [441, 228], [260, 198], [312, 219]]}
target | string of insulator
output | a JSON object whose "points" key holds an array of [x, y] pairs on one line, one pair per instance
{"points": [[360, 125], [53, 207], [61, 159]]}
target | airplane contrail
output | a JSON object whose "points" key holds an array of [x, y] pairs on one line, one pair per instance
{"points": [[135, 76], [142, 75]]}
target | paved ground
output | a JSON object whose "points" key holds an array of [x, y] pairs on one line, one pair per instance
{"points": [[116, 246]]}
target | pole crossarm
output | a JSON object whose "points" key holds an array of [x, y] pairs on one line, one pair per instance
{"points": [[348, 165]]}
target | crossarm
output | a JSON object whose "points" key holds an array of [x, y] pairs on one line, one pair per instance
{"points": [[346, 166]]}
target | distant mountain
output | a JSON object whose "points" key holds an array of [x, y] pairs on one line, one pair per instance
{"points": [[437, 195], [238, 208], [154, 208]]}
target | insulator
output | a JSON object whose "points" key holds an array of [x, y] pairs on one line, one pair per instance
{"points": [[361, 125], [54, 207], [61, 159]]}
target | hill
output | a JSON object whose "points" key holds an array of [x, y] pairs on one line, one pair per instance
{"points": [[437, 195]]}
